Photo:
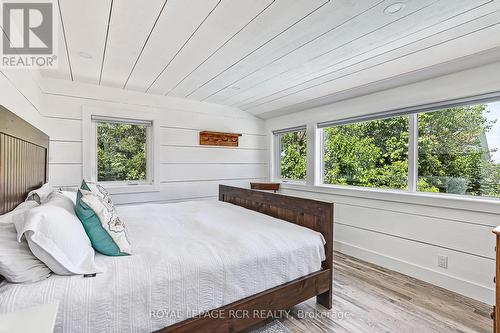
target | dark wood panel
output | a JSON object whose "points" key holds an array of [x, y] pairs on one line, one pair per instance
{"points": [[23, 159]]}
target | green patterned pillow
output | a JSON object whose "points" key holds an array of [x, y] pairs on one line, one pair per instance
{"points": [[101, 222]]}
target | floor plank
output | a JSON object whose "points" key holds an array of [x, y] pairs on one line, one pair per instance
{"points": [[373, 299]]}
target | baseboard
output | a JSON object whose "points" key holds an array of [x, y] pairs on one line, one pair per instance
{"points": [[463, 287]]}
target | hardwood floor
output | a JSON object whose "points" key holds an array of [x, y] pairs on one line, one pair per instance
{"points": [[374, 299]]}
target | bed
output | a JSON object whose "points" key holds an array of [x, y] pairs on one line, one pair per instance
{"points": [[198, 266]]}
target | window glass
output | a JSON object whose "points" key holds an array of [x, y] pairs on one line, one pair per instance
{"points": [[293, 146], [370, 154], [121, 152], [458, 150]]}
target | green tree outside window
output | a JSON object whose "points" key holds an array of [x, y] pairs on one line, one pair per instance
{"points": [[121, 152], [293, 146], [369, 154]]}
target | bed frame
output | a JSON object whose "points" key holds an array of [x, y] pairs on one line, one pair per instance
{"points": [[23, 167], [312, 214]]}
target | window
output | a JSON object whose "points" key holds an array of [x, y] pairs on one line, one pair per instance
{"points": [[370, 154], [458, 150], [122, 150], [451, 150], [291, 160]]}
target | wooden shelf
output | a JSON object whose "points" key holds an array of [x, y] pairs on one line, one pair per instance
{"points": [[208, 138]]}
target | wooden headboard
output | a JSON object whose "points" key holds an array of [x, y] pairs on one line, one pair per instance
{"points": [[23, 159]]}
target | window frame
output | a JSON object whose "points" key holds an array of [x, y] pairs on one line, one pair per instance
{"points": [[149, 142], [412, 113], [411, 180], [349, 194], [89, 146], [276, 169]]}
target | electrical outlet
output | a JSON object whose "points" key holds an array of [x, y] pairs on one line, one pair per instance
{"points": [[442, 261]]}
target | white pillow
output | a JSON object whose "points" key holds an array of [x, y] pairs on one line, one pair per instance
{"points": [[21, 208], [40, 195], [70, 194], [17, 263], [60, 200], [56, 236]]}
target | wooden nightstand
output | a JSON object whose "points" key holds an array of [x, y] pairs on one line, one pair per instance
{"points": [[36, 319], [265, 186]]}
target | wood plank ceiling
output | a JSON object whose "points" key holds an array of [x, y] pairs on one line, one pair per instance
{"points": [[268, 57]]}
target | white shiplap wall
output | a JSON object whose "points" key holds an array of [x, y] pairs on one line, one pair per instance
{"points": [[21, 94], [407, 232], [187, 170]]}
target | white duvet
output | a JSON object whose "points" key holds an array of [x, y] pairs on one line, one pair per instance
{"points": [[188, 257]]}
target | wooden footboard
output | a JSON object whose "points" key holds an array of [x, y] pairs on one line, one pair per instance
{"points": [[242, 314], [249, 311], [312, 214]]}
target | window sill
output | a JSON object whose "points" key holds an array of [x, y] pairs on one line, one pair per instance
{"points": [[484, 204], [128, 189], [291, 182]]}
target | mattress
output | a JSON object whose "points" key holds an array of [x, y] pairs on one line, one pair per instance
{"points": [[188, 258]]}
